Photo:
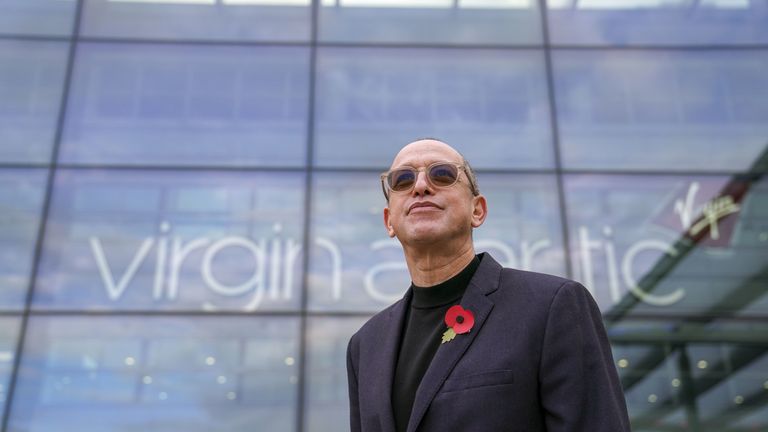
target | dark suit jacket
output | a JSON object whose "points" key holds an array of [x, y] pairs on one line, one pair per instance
{"points": [[537, 359]]}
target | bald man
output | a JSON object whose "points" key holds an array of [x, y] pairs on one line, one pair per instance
{"points": [[473, 346]]}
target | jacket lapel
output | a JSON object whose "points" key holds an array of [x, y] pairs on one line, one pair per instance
{"points": [[484, 282], [390, 346]]}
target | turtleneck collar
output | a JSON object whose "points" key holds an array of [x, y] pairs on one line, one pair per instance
{"points": [[445, 292]]}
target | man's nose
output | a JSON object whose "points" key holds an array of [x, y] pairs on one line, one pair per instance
{"points": [[422, 186]]}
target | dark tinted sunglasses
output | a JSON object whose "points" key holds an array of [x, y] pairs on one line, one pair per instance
{"points": [[439, 174]]}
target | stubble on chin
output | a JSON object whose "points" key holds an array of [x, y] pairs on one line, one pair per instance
{"points": [[429, 232]]}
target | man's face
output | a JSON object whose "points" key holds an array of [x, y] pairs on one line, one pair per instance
{"points": [[428, 214]]}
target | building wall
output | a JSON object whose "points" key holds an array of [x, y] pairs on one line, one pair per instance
{"points": [[190, 203]]}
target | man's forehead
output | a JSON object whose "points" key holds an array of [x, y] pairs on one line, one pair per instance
{"points": [[424, 152]]}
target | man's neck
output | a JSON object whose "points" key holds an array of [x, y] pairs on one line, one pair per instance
{"points": [[432, 267]]}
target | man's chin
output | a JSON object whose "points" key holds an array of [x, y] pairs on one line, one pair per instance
{"points": [[426, 235]]}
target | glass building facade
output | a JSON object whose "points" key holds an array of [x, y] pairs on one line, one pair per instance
{"points": [[191, 220]]}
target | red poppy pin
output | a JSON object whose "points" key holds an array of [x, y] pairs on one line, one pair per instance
{"points": [[459, 321]]}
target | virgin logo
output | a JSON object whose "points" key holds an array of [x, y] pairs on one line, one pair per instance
{"points": [[267, 269], [271, 267], [273, 262]]}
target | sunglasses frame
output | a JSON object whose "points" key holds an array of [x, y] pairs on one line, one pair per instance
{"points": [[461, 167]]}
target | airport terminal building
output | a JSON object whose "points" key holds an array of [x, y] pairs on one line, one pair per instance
{"points": [[191, 214]]}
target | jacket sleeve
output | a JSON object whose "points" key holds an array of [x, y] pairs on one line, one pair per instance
{"points": [[354, 404], [580, 389]]}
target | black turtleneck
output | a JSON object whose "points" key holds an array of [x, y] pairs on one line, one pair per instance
{"points": [[423, 331]]}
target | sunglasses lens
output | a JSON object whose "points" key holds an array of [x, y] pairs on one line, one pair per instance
{"points": [[400, 180], [443, 175], [440, 175]]}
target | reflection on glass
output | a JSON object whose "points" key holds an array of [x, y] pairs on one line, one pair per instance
{"points": [[646, 388], [431, 21], [37, 17], [9, 328], [701, 374], [644, 4], [664, 22], [163, 240], [703, 110], [159, 374], [327, 396], [432, 4], [490, 105], [188, 105], [231, 20], [31, 83], [356, 266], [21, 199], [669, 245]]}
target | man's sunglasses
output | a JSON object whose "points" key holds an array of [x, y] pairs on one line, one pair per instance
{"points": [[439, 174]]}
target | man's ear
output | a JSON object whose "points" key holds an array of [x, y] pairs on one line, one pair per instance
{"points": [[387, 225], [479, 210]]}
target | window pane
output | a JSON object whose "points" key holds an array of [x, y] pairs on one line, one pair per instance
{"points": [[431, 21], [158, 374], [703, 110], [188, 105], [327, 408], [31, 82], [162, 240], [278, 20], [738, 372], [9, 333], [665, 22], [491, 105], [356, 266], [21, 198], [649, 388], [678, 246], [37, 17], [718, 366]]}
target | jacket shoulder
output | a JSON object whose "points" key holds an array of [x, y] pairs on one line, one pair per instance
{"points": [[497, 279], [533, 285], [541, 281]]}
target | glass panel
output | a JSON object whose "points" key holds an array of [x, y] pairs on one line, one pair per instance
{"points": [[701, 374], [22, 192], [9, 333], [162, 240], [491, 105], [736, 389], [356, 266], [277, 20], [31, 83], [158, 374], [645, 388], [703, 110], [677, 246], [431, 21], [188, 105], [664, 22], [37, 17], [327, 408]]}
